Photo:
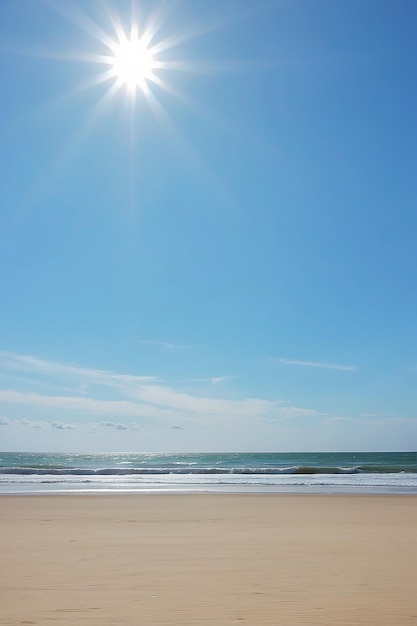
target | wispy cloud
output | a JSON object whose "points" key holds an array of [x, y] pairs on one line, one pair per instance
{"points": [[212, 380], [165, 396], [164, 344], [220, 379], [374, 421], [143, 398], [155, 402], [322, 364], [336, 419], [70, 371], [86, 405]]}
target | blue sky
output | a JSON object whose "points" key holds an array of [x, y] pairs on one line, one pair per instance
{"points": [[222, 257]]}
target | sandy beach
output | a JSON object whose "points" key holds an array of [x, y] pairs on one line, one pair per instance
{"points": [[146, 560]]}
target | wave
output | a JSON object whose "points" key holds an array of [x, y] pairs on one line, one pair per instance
{"points": [[183, 470]]}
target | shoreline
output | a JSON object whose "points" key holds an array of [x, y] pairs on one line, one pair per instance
{"points": [[223, 493], [316, 490], [266, 559]]}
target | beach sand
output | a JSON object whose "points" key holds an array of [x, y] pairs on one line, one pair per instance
{"points": [[147, 560]]}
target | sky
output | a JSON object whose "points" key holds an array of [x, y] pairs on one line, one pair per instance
{"points": [[208, 225]]}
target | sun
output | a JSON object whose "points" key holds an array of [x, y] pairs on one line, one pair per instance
{"points": [[132, 63], [133, 55]]}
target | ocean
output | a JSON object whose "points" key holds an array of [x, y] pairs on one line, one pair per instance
{"points": [[329, 472]]}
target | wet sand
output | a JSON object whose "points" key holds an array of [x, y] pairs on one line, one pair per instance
{"points": [[216, 560]]}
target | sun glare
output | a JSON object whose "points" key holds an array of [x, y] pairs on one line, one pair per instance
{"points": [[133, 63], [133, 56]]}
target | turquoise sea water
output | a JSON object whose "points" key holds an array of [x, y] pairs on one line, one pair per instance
{"points": [[253, 472]]}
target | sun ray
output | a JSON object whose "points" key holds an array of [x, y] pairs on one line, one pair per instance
{"points": [[79, 17], [189, 152], [217, 119], [132, 58], [43, 111], [67, 153], [201, 27], [116, 24], [131, 55], [155, 22], [55, 54]]}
